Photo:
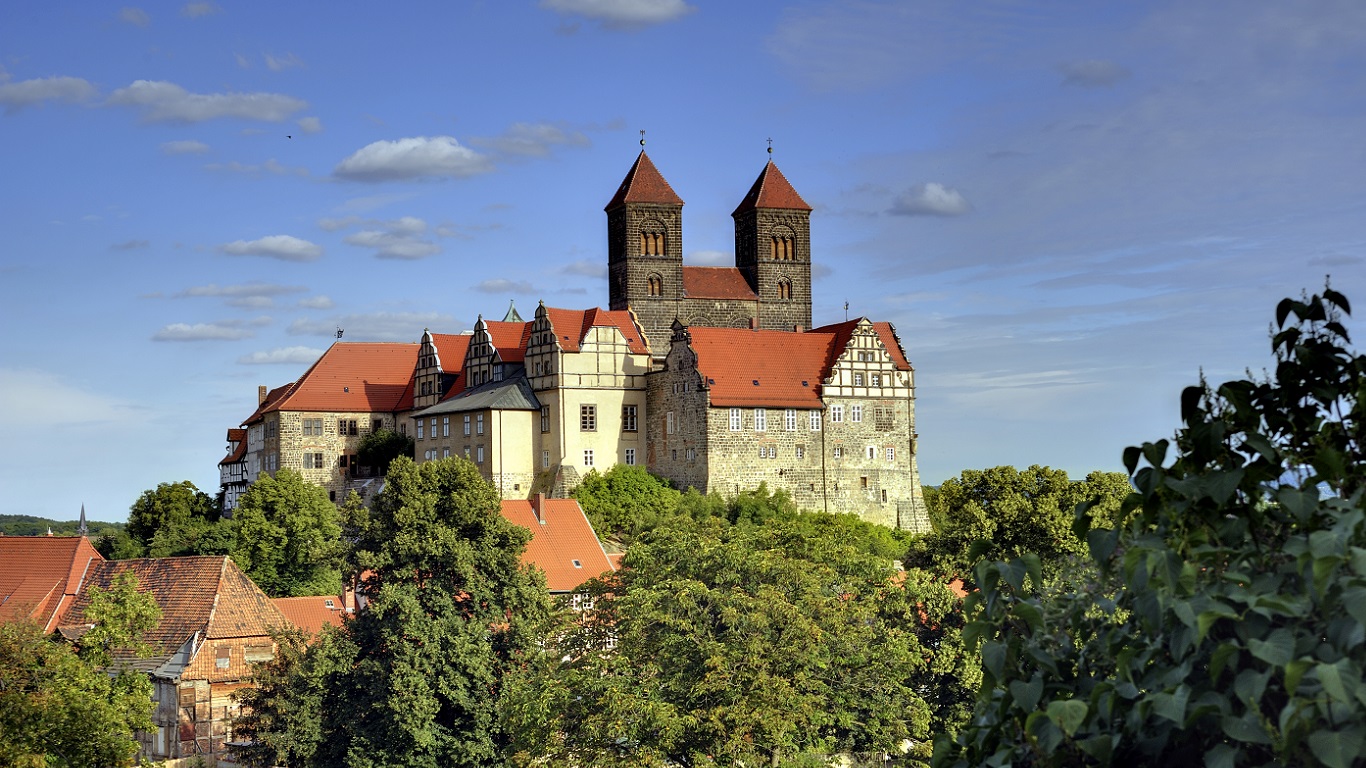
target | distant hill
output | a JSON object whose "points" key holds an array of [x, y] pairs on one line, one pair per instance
{"points": [[28, 525]]}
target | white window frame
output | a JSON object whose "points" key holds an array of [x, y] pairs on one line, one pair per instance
{"points": [[478, 423], [760, 420], [545, 459], [669, 423], [858, 379], [836, 413], [856, 413], [445, 426], [588, 457], [467, 425], [838, 452], [630, 457], [737, 421], [421, 433], [790, 419], [891, 453], [815, 421]]}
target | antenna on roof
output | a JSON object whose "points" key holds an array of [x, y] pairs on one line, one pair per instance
{"points": [[340, 332], [642, 139], [846, 310]]}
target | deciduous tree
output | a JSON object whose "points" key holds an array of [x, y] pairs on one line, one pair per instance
{"points": [[288, 538]]}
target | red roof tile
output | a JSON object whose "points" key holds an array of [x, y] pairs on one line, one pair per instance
{"points": [[451, 349], [41, 575], [843, 331], [716, 283], [644, 184], [771, 190], [238, 439], [311, 614], [887, 332], [572, 327], [271, 399], [559, 538], [762, 368], [510, 339], [353, 377]]}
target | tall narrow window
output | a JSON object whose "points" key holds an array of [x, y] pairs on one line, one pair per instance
{"points": [[760, 419], [856, 413], [467, 425], [588, 418], [588, 458], [815, 421], [735, 420], [837, 413], [545, 418], [630, 457], [784, 289], [628, 418], [479, 423], [545, 459], [420, 430], [790, 419], [656, 285], [669, 425], [445, 426]]}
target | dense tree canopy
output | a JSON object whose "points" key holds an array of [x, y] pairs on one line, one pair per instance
{"points": [[1236, 634], [172, 519], [379, 449], [624, 501], [288, 537]]}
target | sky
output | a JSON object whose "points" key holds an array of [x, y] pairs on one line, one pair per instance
{"points": [[1069, 210]]}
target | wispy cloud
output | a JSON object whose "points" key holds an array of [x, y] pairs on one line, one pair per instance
{"points": [[27, 93], [282, 247], [532, 139], [184, 147], [129, 245], [271, 166], [135, 16], [241, 290], [400, 238], [160, 101], [377, 326], [1092, 73], [622, 14], [316, 302], [282, 356], [413, 158], [504, 286], [586, 268], [310, 125], [220, 331], [280, 63], [196, 10], [930, 199]]}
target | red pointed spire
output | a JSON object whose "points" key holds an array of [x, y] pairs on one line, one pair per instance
{"points": [[644, 184], [772, 190]]}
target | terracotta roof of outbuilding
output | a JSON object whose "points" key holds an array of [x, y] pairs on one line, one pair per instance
{"points": [[572, 327], [41, 575], [205, 594], [781, 369], [238, 437], [311, 614], [644, 184], [560, 538], [352, 377], [716, 283], [771, 190]]}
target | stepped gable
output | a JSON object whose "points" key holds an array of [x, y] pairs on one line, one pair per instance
{"points": [[779, 369], [771, 190], [40, 576], [843, 331], [560, 536], [572, 327], [716, 283], [644, 184], [353, 377]]}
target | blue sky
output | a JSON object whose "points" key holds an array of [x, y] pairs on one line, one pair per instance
{"points": [[1068, 209]]}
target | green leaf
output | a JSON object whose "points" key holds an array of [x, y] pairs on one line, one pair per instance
{"points": [[1031, 614], [1171, 705], [1027, 694], [994, 658], [1067, 715], [1277, 649], [1331, 679], [1206, 619], [1221, 756], [1245, 728], [1222, 655], [1337, 749], [1294, 671], [1354, 601]]}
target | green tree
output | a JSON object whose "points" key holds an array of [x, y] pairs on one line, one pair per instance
{"points": [[379, 449], [171, 519], [1234, 636], [288, 537], [742, 644], [451, 607], [625, 501], [1003, 513]]}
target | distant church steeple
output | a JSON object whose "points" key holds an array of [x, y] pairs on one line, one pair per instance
{"points": [[512, 316], [82, 529]]}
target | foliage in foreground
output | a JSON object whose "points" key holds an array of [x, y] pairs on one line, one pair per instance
{"points": [[745, 644], [1238, 636], [287, 536]]}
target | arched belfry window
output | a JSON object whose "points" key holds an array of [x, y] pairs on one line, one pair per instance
{"points": [[782, 244], [656, 285], [784, 288], [652, 240]]}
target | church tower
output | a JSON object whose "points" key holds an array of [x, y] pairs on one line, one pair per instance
{"points": [[645, 248], [773, 250]]}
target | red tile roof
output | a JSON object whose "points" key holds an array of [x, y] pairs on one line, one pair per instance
{"points": [[572, 327], [771, 190], [762, 368], [41, 575], [238, 439], [272, 399], [716, 283], [510, 339], [644, 184], [451, 349], [205, 594], [843, 331], [311, 614], [352, 377], [561, 536]]}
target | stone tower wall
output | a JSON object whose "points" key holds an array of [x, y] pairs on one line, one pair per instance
{"points": [[629, 269], [754, 230]]}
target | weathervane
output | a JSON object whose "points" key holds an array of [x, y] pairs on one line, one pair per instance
{"points": [[340, 332], [642, 138], [770, 145], [846, 310]]}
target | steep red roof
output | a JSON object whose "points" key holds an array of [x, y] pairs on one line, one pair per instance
{"points": [[782, 369], [451, 349], [510, 339], [353, 377], [272, 399], [771, 190], [887, 333], [843, 331], [41, 575], [205, 594], [716, 283], [644, 184], [560, 537], [238, 439], [311, 614], [572, 327]]}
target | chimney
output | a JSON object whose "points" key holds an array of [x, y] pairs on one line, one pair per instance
{"points": [[349, 598], [754, 323], [537, 505], [798, 328], [261, 394]]}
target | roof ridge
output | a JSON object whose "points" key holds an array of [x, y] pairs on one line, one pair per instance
{"points": [[644, 184]]}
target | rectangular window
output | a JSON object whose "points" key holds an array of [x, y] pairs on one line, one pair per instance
{"points": [[478, 423], [875, 380], [588, 458], [673, 455], [545, 418], [352, 428], [421, 426], [630, 457], [891, 453], [735, 420], [341, 461], [872, 453], [318, 460], [445, 426], [445, 453], [760, 419], [858, 379], [433, 427], [815, 421], [692, 454], [669, 423], [223, 657], [467, 425], [837, 413], [801, 451], [839, 452], [588, 418], [763, 452], [856, 413], [790, 419], [628, 418], [479, 454], [545, 459]]}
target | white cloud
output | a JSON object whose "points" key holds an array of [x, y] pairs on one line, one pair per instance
{"points": [[130, 245], [195, 10], [159, 100], [280, 63], [710, 258], [184, 147], [242, 61], [282, 247], [270, 166], [223, 331], [413, 158], [504, 286], [1092, 73], [622, 14], [394, 244], [135, 16], [586, 268], [252, 302], [316, 302], [332, 225], [49, 399], [26, 93], [282, 355], [532, 139], [310, 125], [239, 291], [930, 199], [377, 326]]}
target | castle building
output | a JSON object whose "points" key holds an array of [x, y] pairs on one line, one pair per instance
{"points": [[711, 377]]}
